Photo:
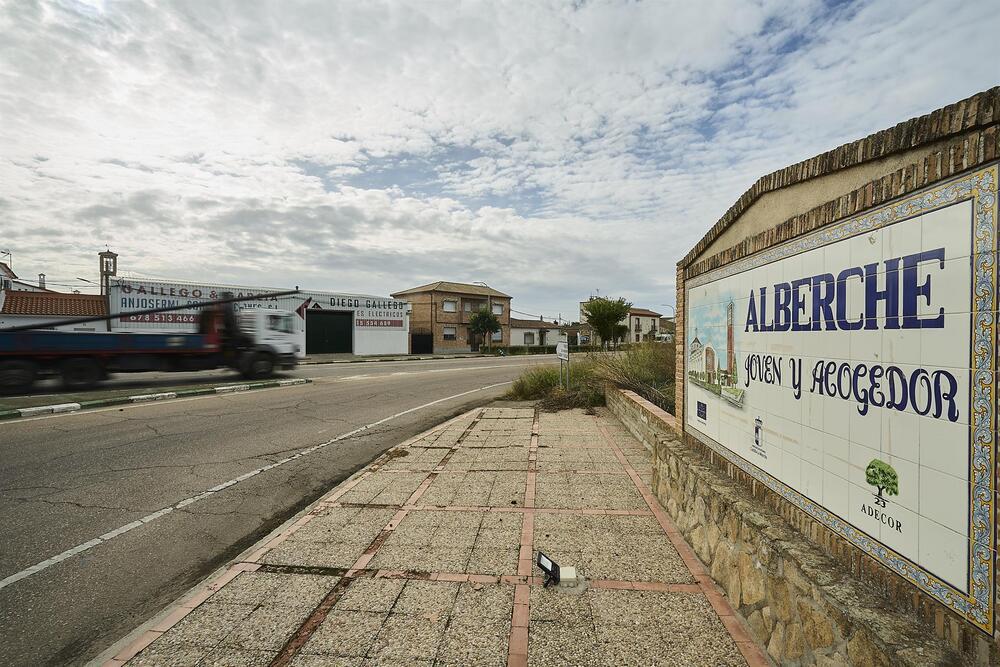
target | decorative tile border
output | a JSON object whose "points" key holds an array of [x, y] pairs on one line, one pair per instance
{"points": [[980, 186]]}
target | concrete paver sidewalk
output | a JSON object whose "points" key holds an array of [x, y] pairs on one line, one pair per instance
{"points": [[427, 558]]}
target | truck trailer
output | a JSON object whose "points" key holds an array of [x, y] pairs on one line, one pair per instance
{"points": [[253, 342]]}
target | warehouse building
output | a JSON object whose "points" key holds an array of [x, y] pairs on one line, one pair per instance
{"points": [[327, 322]]}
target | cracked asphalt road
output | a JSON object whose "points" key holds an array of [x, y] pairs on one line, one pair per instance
{"points": [[66, 479]]}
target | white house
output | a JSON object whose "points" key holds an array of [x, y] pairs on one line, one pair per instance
{"points": [[533, 333], [642, 324], [10, 281]]}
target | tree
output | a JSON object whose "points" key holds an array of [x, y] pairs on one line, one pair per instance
{"points": [[882, 476], [604, 316], [484, 323]]}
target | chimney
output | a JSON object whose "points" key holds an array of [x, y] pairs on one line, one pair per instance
{"points": [[41, 281]]}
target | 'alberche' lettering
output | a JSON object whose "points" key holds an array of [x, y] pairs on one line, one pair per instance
{"points": [[899, 287]]}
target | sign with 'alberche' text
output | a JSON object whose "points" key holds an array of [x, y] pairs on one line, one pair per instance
{"points": [[852, 370]]}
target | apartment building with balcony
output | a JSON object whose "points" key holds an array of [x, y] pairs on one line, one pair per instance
{"points": [[440, 313], [642, 324]]}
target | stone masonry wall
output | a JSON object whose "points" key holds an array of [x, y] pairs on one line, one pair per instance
{"points": [[803, 606]]}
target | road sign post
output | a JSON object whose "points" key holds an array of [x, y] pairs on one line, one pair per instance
{"points": [[562, 351]]}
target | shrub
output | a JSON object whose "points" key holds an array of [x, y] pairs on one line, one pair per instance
{"points": [[645, 368], [535, 383], [541, 383]]}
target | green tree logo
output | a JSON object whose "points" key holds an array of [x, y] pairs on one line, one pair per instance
{"points": [[882, 476]]}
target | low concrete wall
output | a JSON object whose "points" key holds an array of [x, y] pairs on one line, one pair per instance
{"points": [[801, 604]]}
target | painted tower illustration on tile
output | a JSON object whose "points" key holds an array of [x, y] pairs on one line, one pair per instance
{"points": [[730, 343]]}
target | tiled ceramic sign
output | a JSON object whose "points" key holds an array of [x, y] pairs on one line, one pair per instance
{"points": [[852, 370]]}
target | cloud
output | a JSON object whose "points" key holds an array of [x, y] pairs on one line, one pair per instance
{"points": [[550, 149]]}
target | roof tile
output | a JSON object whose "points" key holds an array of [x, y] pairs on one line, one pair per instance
{"points": [[53, 303], [459, 288]]}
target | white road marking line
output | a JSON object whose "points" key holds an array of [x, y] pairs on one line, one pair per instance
{"points": [[117, 532]]}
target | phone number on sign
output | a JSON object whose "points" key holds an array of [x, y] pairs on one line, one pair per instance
{"points": [[396, 324], [162, 318]]}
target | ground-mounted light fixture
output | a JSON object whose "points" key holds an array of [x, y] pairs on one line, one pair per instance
{"points": [[549, 567]]}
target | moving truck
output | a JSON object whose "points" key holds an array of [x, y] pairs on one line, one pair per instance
{"points": [[253, 342]]}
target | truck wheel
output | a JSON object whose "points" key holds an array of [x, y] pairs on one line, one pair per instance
{"points": [[261, 365], [17, 376], [80, 373]]}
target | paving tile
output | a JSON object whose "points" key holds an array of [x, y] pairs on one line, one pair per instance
{"points": [[555, 606], [467, 642], [570, 441], [407, 639], [370, 595], [307, 660], [632, 548], [506, 522], [160, 654], [301, 590], [290, 590], [415, 458], [484, 601], [225, 656], [384, 488], [316, 554], [493, 560], [345, 633], [427, 599], [492, 458], [267, 628], [332, 524], [552, 459], [462, 538], [660, 628], [207, 625], [421, 559], [509, 413], [584, 491], [476, 489], [561, 643], [249, 588]]}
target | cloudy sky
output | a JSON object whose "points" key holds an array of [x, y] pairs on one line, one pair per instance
{"points": [[551, 149]]}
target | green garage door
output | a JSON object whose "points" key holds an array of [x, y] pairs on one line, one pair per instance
{"points": [[329, 331]]}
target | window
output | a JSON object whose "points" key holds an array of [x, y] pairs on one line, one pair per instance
{"points": [[282, 323], [529, 338], [637, 338], [449, 306], [449, 333], [497, 335], [498, 309]]}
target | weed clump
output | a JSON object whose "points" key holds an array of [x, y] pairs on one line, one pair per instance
{"points": [[647, 369]]}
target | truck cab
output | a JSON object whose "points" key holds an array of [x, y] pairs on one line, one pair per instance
{"points": [[270, 340]]}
